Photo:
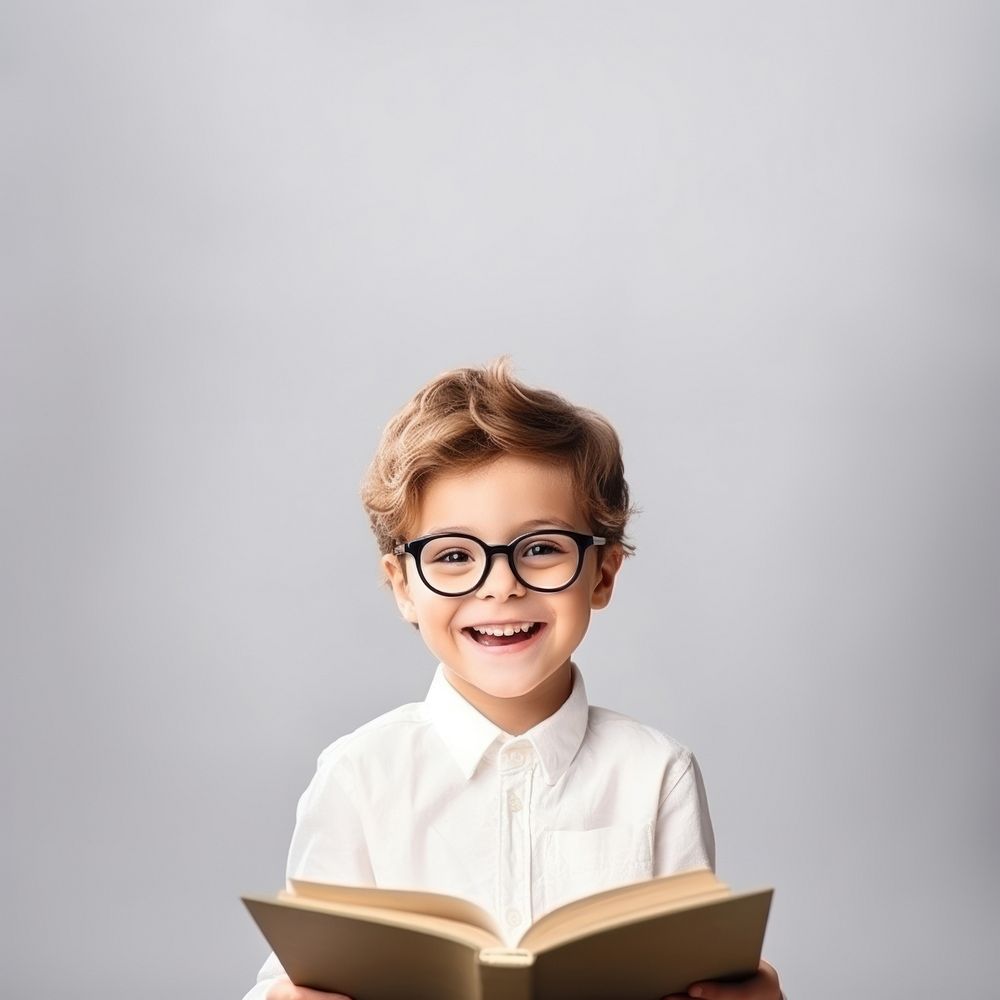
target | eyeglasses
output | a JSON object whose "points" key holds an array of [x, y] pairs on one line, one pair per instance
{"points": [[457, 564]]}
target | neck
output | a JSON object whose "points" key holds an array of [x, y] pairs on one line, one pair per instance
{"points": [[518, 715]]}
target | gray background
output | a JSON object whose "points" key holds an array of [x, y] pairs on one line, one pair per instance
{"points": [[761, 238]]}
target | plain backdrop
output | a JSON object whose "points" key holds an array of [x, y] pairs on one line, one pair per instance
{"points": [[236, 237]]}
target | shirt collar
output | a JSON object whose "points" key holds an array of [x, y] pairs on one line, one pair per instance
{"points": [[558, 738], [468, 734]]}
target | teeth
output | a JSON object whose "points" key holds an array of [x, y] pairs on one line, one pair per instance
{"points": [[510, 629]]}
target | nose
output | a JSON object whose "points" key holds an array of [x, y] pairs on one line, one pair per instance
{"points": [[500, 583]]}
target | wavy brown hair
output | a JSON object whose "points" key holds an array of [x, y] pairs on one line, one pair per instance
{"points": [[470, 416]]}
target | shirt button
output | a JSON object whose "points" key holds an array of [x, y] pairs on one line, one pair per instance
{"points": [[513, 802], [513, 918], [516, 758]]}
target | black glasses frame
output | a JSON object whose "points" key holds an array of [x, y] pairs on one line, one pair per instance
{"points": [[415, 547]]}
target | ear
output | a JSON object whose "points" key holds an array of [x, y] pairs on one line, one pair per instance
{"points": [[607, 571], [400, 588]]}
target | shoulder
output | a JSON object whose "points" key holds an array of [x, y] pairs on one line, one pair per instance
{"points": [[615, 728], [638, 747], [385, 735], [367, 760]]}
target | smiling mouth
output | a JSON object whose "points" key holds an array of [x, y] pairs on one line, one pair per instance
{"points": [[491, 639]]}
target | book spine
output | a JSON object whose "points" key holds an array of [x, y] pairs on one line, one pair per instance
{"points": [[505, 974]]}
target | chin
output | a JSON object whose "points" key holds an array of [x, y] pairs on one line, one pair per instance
{"points": [[515, 684]]}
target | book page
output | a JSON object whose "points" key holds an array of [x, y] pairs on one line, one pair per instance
{"points": [[441, 927], [431, 904], [623, 903]]}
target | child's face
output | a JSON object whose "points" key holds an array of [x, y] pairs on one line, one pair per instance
{"points": [[498, 502]]}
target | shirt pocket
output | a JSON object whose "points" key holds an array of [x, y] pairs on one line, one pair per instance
{"points": [[578, 863]]}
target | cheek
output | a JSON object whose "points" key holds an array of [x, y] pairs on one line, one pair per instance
{"points": [[437, 619], [577, 618]]}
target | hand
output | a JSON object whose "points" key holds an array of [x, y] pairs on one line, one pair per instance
{"points": [[762, 986], [285, 989]]}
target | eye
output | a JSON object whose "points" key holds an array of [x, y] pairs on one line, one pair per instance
{"points": [[541, 549], [452, 557]]}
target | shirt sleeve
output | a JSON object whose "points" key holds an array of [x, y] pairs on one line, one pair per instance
{"points": [[328, 845], [684, 838]]}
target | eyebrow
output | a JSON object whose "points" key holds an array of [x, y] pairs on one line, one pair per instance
{"points": [[541, 522]]}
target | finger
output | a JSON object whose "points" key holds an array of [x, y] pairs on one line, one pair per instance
{"points": [[723, 991], [761, 986], [287, 990], [769, 972]]}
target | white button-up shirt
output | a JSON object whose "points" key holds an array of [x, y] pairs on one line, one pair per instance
{"points": [[434, 796]]}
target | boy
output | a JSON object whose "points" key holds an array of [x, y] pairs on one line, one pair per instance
{"points": [[500, 512]]}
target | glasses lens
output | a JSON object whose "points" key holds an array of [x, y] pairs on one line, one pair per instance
{"points": [[547, 560], [451, 564]]}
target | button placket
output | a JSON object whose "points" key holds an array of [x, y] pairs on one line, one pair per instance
{"points": [[515, 840]]}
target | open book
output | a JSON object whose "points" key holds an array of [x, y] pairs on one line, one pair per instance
{"points": [[636, 942]]}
